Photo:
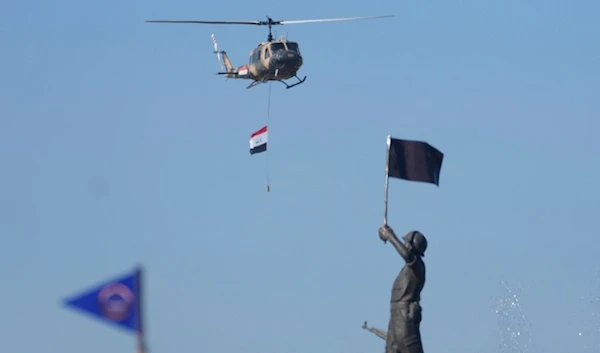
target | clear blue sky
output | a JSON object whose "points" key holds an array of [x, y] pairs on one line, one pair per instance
{"points": [[119, 145]]}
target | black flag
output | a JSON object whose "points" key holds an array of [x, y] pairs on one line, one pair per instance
{"points": [[414, 161]]}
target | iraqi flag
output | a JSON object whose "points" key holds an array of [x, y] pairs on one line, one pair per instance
{"points": [[258, 141]]}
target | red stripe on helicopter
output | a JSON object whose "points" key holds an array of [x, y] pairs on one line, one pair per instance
{"points": [[243, 70]]}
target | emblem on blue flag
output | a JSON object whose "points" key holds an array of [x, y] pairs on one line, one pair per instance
{"points": [[116, 301]]}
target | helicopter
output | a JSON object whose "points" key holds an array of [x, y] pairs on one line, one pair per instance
{"points": [[273, 60]]}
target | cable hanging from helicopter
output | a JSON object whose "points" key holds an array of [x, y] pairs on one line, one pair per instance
{"points": [[273, 60]]}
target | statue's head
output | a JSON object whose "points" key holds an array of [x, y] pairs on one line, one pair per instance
{"points": [[416, 242]]}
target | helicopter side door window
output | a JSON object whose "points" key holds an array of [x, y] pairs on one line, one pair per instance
{"points": [[255, 56]]}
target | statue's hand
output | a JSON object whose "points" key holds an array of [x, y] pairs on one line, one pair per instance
{"points": [[385, 233]]}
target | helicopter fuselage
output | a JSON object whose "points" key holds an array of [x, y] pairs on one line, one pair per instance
{"points": [[269, 61], [277, 60]]}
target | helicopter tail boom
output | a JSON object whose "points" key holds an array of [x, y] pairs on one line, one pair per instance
{"points": [[240, 72]]}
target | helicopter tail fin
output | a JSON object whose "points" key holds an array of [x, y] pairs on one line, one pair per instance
{"points": [[222, 57]]}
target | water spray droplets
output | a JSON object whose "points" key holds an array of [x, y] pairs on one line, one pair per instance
{"points": [[514, 326], [589, 335]]}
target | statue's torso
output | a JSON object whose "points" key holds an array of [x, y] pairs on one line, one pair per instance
{"points": [[409, 283]]}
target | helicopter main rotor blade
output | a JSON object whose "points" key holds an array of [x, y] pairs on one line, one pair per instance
{"points": [[211, 22], [332, 19]]}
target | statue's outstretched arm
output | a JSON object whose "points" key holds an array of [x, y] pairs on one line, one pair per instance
{"points": [[387, 234]]}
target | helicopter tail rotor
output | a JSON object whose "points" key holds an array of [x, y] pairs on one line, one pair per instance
{"points": [[216, 51]]}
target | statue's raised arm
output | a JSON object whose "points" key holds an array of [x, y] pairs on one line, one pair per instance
{"points": [[387, 234], [414, 243]]}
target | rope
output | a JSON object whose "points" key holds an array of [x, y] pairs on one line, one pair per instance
{"points": [[268, 129]]}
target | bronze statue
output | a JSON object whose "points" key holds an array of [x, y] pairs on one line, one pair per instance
{"points": [[404, 334]]}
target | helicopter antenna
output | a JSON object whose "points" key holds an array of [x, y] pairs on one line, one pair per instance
{"points": [[271, 23]]}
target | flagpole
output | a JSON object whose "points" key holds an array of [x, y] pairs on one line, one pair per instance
{"points": [[387, 180], [141, 345]]}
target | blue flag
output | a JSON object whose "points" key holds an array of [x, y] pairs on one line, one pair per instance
{"points": [[116, 302]]}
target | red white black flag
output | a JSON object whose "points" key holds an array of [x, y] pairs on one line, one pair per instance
{"points": [[258, 141]]}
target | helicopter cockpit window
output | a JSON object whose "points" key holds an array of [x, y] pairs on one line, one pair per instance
{"points": [[255, 56], [276, 47], [293, 46]]}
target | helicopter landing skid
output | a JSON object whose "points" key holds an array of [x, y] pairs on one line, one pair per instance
{"points": [[295, 84], [258, 82], [254, 83]]}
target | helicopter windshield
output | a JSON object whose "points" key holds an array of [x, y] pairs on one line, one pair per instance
{"points": [[277, 47], [293, 47]]}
